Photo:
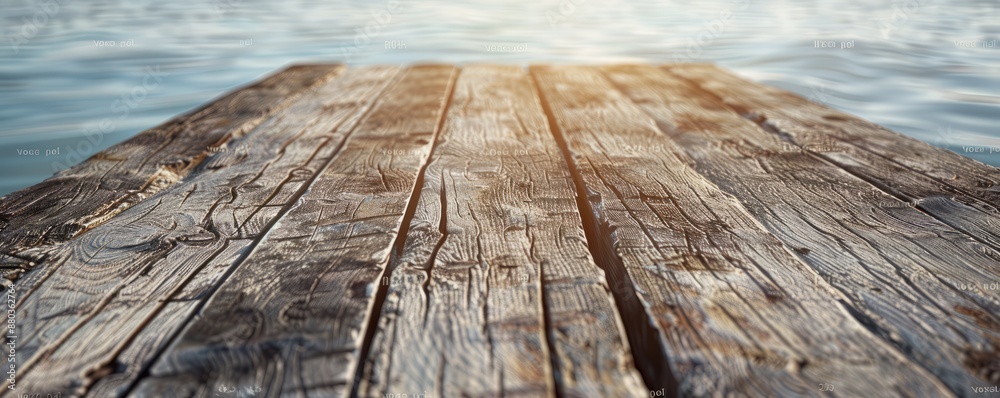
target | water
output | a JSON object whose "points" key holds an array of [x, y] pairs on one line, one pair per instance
{"points": [[909, 67]]}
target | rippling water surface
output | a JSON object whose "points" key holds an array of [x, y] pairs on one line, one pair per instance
{"points": [[906, 64]]}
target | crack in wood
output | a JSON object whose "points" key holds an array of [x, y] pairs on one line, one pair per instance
{"points": [[647, 349], [399, 242]]}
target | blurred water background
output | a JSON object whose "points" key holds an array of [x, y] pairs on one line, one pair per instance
{"points": [[924, 68]]}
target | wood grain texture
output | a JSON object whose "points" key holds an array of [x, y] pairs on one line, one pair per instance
{"points": [[959, 191], [901, 271], [291, 320], [90, 193], [737, 312], [494, 289], [565, 231], [107, 288]]}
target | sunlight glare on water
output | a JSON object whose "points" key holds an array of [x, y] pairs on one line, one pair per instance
{"points": [[921, 67]]}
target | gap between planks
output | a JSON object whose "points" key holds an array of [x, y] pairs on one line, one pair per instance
{"points": [[253, 246], [656, 370]]}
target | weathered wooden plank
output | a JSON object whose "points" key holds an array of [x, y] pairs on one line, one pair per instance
{"points": [[119, 367], [901, 271], [961, 192], [291, 320], [733, 309], [107, 290], [90, 193], [495, 279], [751, 247]]}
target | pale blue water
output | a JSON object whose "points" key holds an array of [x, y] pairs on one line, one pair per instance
{"points": [[907, 69]]}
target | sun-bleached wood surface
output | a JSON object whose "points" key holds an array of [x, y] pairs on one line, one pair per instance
{"points": [[444, 231]]}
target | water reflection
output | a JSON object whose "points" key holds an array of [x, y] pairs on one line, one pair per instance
{"points": [[69, 65]]}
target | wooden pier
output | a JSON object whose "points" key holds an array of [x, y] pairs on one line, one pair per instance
{"points": [[443, 231]]}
